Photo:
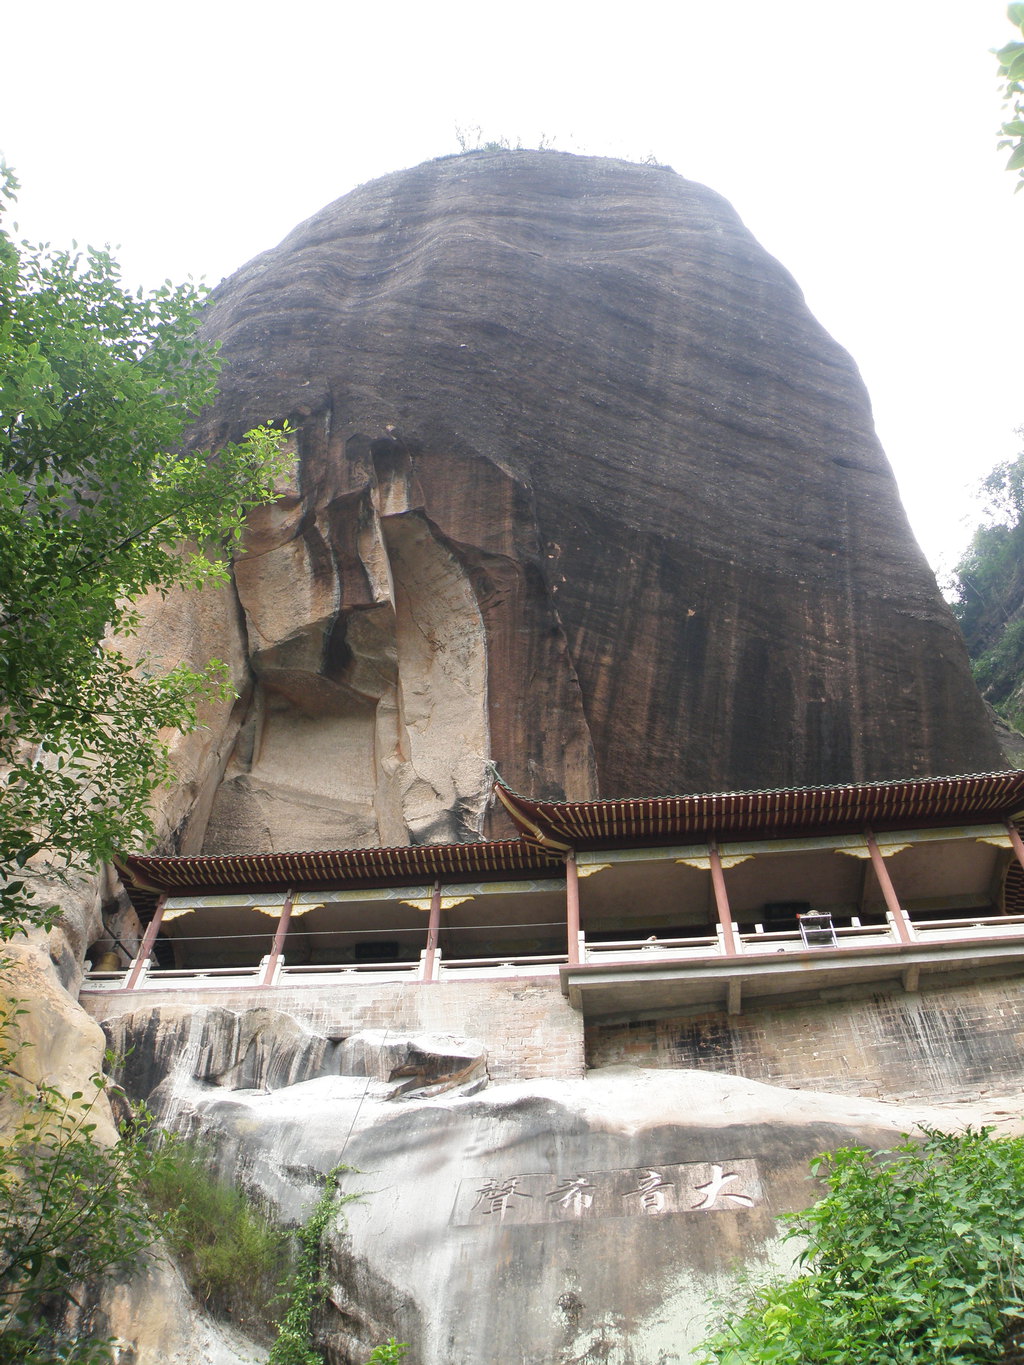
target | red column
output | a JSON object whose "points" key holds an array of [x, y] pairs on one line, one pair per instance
{"points": [[433, 929], [280, 933], [1016, 841], [892, 901], [146, 946], [572, 909], [722, 902]]}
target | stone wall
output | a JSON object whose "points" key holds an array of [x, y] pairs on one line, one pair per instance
{"points": [[962, 1042], [528, 1027]]}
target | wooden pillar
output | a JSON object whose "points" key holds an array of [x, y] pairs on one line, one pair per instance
{"points": [[722, 902], [1016, 841], [146, 946], [433, 929], [892, 901], [280, 934], [572, 909]]}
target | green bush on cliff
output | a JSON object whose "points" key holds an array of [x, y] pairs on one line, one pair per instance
{"points": [[915, 1257], [306, 1289], [233, 1256]]}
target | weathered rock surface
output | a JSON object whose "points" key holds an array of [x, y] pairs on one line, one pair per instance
{"points": [[156, 1321], [268, 1049], [442, 1252], [581, 486]]}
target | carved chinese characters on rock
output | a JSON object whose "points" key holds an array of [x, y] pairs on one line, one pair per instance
{"points": [[646, 1192]]}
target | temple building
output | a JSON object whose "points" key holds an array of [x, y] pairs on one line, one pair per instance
{"points": [[634, 906]]}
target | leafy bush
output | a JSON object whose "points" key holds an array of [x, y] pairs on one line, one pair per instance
{"points": [[232, 1256], [389, 1352], [71, 1209], [915, 1255]]}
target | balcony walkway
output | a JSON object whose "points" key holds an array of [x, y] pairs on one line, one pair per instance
{"points": [[626, 976]]}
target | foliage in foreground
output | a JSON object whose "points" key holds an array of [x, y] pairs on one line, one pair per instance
{"points": [[97, 498], [71, 1209], [915, 1255], [1011, 70]]}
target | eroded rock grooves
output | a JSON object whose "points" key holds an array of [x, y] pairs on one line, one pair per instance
{"points": [[583, 484]]}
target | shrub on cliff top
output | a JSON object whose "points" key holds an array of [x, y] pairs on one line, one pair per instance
{"points": [[915, 1256]]}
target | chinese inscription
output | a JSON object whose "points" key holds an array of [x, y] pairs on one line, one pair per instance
{"points": [[651, 1192], [493, 1196], [648, 1192]]}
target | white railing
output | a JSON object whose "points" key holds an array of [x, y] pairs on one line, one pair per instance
{"points": [[346, 968], [785, 940], [977, 926], [528, 964], [628, 948], [676, 949]]}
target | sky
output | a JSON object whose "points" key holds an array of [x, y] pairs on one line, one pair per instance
{"points": [[856, 141]]}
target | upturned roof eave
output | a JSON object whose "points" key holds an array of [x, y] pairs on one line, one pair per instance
{"points": [[549, 828], [767, 813]]}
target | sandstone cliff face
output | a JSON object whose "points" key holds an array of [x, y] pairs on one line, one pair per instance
{"points": [[581, 486]]}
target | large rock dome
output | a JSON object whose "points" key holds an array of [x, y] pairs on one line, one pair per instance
{"points": [[581, 486]]}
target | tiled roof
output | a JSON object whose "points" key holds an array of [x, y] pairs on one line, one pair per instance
{"points": [[788, 810], [368, 867], [552, 827]]}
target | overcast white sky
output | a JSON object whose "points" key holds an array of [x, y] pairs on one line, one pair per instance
{"points": [[856, 141]]}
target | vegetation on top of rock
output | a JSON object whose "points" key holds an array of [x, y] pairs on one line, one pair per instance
{"points": [[915, 1255], [97, 499]]}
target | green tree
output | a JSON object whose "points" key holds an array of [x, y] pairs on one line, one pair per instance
{"points": [[71, 1208], [989, 586], [98, 497], [915, 1257], [1011, 70]]}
